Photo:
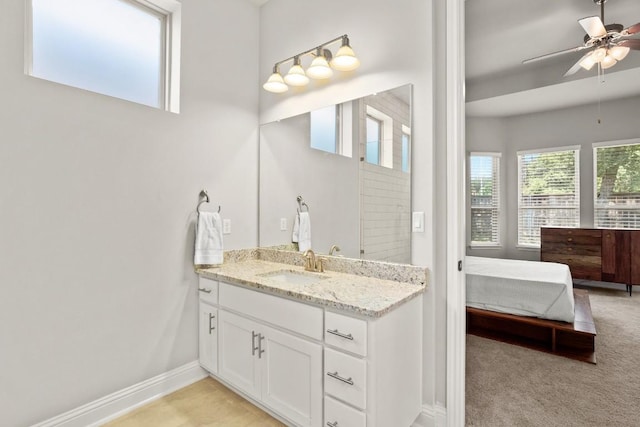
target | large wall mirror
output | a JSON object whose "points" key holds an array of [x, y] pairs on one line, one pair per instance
{"points": [[351, 164]]}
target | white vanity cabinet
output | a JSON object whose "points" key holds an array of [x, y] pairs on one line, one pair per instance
{"points": [[314, 366], [208, 324]]}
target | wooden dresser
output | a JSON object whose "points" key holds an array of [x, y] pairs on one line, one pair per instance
{"points": [[594, 254]]}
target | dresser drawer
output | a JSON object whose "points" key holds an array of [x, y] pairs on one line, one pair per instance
{"points": [[295, 316], [346, 333], [208, 290], [338, 414], [345, 377]]}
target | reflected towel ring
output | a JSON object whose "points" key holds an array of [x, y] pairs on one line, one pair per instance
{"points": [[301, 203]]}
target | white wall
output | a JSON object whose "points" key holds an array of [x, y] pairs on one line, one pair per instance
{"points": [[570, 126], [394, 43], [97, 201]]}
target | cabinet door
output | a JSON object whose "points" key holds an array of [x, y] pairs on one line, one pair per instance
{"points": [[208, 337], [616, 256], [237, 356], [292, 377], [635, 257]]}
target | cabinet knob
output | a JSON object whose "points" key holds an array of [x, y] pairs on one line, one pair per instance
{"points": [[569, 239]]}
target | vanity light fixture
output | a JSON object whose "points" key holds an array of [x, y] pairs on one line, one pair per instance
{"points": [[321, 66]]}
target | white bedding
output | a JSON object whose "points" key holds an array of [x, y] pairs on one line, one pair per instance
{"points": [[524, 288]]}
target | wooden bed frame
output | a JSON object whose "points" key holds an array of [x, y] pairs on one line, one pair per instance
{"points": [[574, 340]]}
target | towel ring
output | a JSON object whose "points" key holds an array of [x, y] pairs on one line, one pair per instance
{"points": [[301, 203], [205, 199]]}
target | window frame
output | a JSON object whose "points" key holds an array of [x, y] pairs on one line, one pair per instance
{"points": [[497, 243], [519, 154], [366, 145], [170, 11], [595, 147], [406, 131]]}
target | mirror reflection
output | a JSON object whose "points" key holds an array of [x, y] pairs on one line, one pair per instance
{"points": [[351, 165]]}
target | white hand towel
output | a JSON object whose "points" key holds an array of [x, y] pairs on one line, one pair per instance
{"points": [[208, 248], [304, 241], [295, 237]]}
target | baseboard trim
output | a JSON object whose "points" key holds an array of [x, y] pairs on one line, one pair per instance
{"points": [[431, 416], [119, 403]]}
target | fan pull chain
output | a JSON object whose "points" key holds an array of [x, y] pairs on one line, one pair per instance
{"points": [[600, 82]]}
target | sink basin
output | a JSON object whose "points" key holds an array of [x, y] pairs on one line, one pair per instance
{"points": [[293, 277]]}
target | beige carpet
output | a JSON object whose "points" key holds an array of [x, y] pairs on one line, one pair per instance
{"points": [[514, 386]]}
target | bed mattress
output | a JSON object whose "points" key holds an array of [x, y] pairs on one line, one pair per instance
{"points": [[523, 288]]}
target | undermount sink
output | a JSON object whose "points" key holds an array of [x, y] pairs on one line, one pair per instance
{"points": [[293, 277]]}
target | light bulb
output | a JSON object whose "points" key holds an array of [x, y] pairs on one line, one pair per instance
{"points": [[588, 62], [599, 54], [275, 83], [319, 68], [345, 59], [608, 62], [296, 75], [619, 52]]}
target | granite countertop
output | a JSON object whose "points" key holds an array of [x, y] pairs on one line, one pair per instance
{"points": [[356, 293]]}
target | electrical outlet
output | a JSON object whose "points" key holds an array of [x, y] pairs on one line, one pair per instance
{"points": [[226, 226], [283, 224]]}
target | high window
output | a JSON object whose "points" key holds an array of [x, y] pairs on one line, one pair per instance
{"points": [[127, 49], [374, 140], [325, 129], [548, 192], [484, 177], [617, 184]]}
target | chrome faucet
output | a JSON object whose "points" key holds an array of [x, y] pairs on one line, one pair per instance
{"points": [[310, 260], [335, 248]]}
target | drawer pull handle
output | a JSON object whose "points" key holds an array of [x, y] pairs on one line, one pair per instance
{"points": [[211, 327], [260, 350], [253, 342], [338, 377], [569, 239], [333, 424], [208, 291], [341, 335]]}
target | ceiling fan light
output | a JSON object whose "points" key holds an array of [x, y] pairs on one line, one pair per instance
{"points": [[619, 52], [608, 62], [588, 62], [599, 54]]}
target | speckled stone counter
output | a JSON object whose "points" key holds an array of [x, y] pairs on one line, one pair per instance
{"points": [[366, 288]]}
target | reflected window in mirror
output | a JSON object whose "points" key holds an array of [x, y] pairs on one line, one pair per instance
{"points": [[406, 147], [379, 146], [325, 129]]}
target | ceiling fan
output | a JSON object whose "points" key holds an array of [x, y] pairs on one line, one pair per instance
{"points": [[607, 44]]}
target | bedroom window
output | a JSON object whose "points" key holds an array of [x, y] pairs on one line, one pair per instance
{"points": [[127, 49], [548, 192], [616, 201], [484, 183]]}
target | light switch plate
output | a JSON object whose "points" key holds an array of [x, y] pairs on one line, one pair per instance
{"points": [[283, 224], [226, 226], [417, 223]]}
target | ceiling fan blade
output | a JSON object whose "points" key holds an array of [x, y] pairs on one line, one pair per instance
{"points": [[576, 66], [631, 44], [632, 30], [551, 55], [593, 26]]}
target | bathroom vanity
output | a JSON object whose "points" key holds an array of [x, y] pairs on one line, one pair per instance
{"points": [[337, 348]]}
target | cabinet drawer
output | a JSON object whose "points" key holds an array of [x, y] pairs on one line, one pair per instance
{"points": [[208, 290], [346, 333], [345, 377], [338, 414], [297, 317]]}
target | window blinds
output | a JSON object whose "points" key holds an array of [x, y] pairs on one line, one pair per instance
{"points": [[548, 192], [484, 172], [617, 186]]}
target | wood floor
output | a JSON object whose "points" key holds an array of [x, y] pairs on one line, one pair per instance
{"points": [[204, 403]]}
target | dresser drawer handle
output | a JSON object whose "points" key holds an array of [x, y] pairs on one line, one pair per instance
{"points": [[208, 291], [333, 424], [569, 239], [340, 334], [338, 377]]}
